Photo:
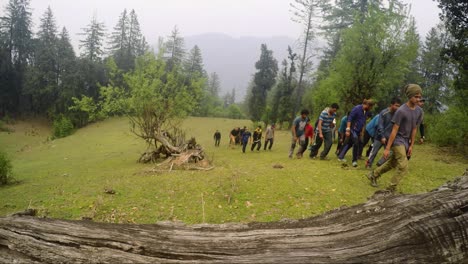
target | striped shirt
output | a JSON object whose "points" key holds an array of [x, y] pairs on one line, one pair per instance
{"points": [[327, 120]]}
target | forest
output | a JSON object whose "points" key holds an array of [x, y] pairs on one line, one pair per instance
{"points": [[373, 50]]}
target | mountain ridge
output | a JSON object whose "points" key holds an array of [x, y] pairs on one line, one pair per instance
{"points": [[233, 58]]}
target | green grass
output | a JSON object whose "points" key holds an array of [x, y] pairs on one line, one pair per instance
{"points": [[66, 178]]}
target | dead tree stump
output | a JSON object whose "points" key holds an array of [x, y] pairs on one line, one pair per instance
{"points": [[419, 228]]}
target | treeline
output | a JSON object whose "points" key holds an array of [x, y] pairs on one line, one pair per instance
{"points": [[373, 50], [40, 73]]}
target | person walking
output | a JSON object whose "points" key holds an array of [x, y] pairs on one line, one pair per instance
{"points": [[245, 138], [217, 138], [298, 130], [257, 138], [369, 134], [354, 129], [384, 129], [341, 134], [401, 141], [421, 126], [309, 136], [324, 132], [233, 137], [269, 136]]}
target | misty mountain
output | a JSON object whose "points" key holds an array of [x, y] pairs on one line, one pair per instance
{"points": [[233, 59]]}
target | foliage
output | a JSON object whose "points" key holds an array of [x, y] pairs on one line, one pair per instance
{"points": [[92, 44], [449, 129], [16, 46], [455, 14], [282, 109], [304, 13], [158, 98], [5, 169], [234, 112], [174, 49], [127, 41], [41, 80], [437, 74], [376, 53], [62, 127], [263, 81], [85, 110]]}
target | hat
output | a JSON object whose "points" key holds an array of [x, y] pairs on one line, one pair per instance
{"points": [[412, 90]]}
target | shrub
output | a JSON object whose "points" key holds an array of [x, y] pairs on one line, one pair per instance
{"points": [[449, 129], [62, 127], [5, 169]]}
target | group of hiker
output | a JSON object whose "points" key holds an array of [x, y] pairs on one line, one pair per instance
{"points": [[243, 136], [394, 128]]}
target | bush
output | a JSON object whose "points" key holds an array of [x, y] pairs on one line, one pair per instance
{"points": [[449, 129], [5, 169], [62, 127]]}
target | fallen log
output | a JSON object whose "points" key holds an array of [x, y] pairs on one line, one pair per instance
{"points": [[419, 228]]}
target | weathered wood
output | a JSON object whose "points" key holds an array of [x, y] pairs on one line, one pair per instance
{"points": [[420, 228]]}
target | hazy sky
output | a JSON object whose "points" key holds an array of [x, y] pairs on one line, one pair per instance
{"points": [[158, 17]]}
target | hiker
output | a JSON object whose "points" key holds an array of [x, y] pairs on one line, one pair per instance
{"points": [[233, 137], [269, 136], [369, 134], [298, 131], [401, 140], [354, 129], [217, 138], [384, 128], [324, 132], [341, 133], [309, 137], [256, 138], [245, 138], [421, 127]]}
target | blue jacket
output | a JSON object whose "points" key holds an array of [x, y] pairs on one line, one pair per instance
{"points": [[371, 127], [357, 117]]}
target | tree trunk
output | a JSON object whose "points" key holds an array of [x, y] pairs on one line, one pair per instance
{"points": [[419, 228]]}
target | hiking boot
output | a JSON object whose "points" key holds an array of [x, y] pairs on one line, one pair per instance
{"points": [[342, 160], [372, 179], [354, 163]]}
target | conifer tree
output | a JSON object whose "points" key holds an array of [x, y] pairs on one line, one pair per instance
{"points": [[92, 44], [15, 28], [264, 79]]}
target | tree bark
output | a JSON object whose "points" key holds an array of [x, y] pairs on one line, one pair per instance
{"points": [[418, 228]]}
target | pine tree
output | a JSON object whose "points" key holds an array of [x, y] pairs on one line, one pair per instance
{"points": [[92, 44], [174, 49], [264, 79], [15, 27], [283, 100], [435, 70], [66, 68], [214, 84], [42, 75], [194, 64], [119, 43]]}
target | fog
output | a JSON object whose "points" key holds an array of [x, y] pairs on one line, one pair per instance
{"points": [[260, 18]]}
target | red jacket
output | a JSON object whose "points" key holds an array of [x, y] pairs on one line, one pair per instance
{"points": [[309, 131]]}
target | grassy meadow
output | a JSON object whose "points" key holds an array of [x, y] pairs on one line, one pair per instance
{"points": [[67, 178]]}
